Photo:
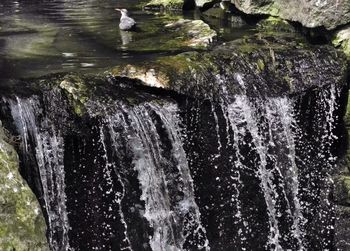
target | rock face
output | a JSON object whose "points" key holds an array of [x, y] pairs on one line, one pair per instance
{"points": [[311, 13], [22, 225]]}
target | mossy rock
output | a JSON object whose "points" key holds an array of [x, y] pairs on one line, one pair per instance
{"points": [[164, 4], [269, 63], [341, 40], [274, 24], [22, 225], [179, 35]]}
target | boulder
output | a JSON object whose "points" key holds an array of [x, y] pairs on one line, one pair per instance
{"points": [[342, 40], [22, 225], [314, 13]]}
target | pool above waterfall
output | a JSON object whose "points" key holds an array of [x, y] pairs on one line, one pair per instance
{"points": [[42, 37]]}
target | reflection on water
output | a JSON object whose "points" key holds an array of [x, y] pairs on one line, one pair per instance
{"points": [[47, 36], [126, 37]]}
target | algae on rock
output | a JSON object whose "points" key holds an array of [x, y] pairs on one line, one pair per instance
{"points": [[22, 225], [166, 4], [342, 40]]}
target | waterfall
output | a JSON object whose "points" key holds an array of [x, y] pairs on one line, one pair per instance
{"points": [[164, 177], [243, 118], [48, 149], [163, 174]]}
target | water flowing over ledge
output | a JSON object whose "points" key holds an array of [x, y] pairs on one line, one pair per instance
{"points": [[233, 158]]}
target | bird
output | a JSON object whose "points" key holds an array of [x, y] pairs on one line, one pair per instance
{"points": [[126, 22]]}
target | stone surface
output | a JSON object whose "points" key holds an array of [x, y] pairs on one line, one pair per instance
{"points": [[273, 24], [22, 225], [218, 13], [311, 14], [178, 35], [342, 40], [166, 4], [201, 3], [269, 63]]}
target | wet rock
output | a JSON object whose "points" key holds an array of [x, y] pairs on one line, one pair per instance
{"points": [[201, 3], [196, 32], [311, 14], [220, 13], [268, 63], [342, 40], [178, 35], [22, 225], [273, 24], [165, 4]]}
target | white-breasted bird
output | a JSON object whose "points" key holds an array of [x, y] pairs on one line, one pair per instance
{"points": [[126, 22]]}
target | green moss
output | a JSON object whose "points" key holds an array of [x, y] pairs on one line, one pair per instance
{"points": [[273, 9], [22, 225], [167, 4], [77, 91], [261, 65], [341, 40]]}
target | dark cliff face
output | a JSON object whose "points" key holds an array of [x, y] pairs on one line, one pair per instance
{"points": [[235, 155]]}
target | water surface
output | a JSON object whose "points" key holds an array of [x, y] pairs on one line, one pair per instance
{"points": [[43, 37]]}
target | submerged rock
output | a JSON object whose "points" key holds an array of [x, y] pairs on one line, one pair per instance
{"points": [[311, 14], [22, 225], [342, 227]]}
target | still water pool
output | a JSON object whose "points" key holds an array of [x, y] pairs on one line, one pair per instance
{"points": [[39, 37]]}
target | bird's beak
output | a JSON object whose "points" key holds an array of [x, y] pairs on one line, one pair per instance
{"points": [[118, 10]]}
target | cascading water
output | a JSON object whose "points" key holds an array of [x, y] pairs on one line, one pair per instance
{"points": [[148, 172], [163, 173], [44, 141], [264, 148]]}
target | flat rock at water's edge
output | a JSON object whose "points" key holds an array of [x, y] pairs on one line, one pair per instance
{"points": [[268, 64]]}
